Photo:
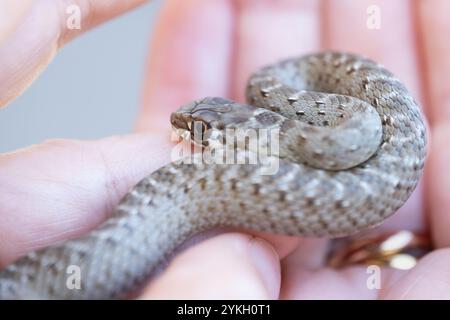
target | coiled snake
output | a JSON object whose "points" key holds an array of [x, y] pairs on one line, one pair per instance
{"points": [[352, 146]]}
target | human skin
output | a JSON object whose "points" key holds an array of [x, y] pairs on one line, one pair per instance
{"points": [[60, 189]]}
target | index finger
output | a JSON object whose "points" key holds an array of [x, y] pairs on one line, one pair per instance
{"points": [[39, 29]]}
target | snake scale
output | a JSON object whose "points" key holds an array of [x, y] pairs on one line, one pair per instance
{"points": [[352, 146]]}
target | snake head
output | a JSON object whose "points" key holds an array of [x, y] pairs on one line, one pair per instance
{"points": [[188, 123], [204, 121]]}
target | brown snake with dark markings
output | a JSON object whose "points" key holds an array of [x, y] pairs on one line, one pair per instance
{"points": [[352, 147]]}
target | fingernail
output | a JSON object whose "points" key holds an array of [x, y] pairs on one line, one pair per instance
{"points": [[267, 263]]}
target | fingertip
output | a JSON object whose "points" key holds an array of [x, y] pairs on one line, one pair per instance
{"points": [[427, 280], [283, 245], [266, 261], [229, 266]]}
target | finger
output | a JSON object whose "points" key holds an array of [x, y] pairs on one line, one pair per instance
{"points": [[290, 28], [190, 58], [306, 279], [433, 24], [24, 57], [93, 13], [229, 266], [427, 280], [310, 253], [352, 26], [325, 283], [63, 188], [284, 245], [438, 184]]}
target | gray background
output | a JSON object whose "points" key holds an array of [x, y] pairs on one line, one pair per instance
{"points": [[92, 89]]}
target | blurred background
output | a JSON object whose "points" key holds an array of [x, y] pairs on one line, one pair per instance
{"points": [[91, 89]]}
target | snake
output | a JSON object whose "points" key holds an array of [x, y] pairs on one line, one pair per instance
{"points": [[350, 149]]}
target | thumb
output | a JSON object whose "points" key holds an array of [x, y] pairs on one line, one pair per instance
{"points": [[63, 188], [228, 266]]}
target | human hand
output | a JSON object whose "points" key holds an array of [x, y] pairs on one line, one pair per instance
{"points": [[209, 48], [60, 189]]}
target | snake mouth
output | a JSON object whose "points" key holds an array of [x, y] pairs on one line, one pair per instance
{"points": [[187, 125], [187, 128], [199, 132]]}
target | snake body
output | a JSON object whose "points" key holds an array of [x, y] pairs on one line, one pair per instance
{"points": [[352, 146]]}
